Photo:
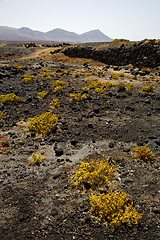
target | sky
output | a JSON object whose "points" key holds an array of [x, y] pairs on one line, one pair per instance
{"points": [[128, 19]]}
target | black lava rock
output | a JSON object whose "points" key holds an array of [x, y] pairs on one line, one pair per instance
{"points": [[58, 152]]}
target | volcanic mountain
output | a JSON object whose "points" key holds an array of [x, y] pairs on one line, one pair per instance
{"points": [[60, 35]]}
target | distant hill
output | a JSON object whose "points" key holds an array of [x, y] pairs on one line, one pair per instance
{"points": [[60, 35]]}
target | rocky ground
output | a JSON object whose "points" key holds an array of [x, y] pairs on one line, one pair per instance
{"points": [[39, 202]]}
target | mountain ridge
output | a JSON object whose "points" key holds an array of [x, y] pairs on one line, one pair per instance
{"points": [[57, 34]]}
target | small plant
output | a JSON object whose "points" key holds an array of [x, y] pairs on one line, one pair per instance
{"points": [[18, 66], [99, 72], [9, 98], [120, 40], [43, 123], [88, 74], [49, 78], [42, 94], [28, 78], [62, 59], [4, 143], [144, 154], [55, 103], [95, 84], [114, 210], [69, 71], [95, 173], [148, 89], [77, 74], [45, 74], [2, 115], [84, 88], [101, 90], [58, 88], [36, 159], [115, 75], [78, 96], [130, 86], [145, 69], [121, 74], [59, 83], [88, 61], [121, 84]]}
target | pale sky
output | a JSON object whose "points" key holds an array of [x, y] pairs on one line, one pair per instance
{"points": [[129, 19]]}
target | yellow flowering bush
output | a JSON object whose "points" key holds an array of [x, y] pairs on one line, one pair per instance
{"points": [[115, 75], [78, 96], [58, 88], [55, 103], [95, 84], [77, 74], [145, 69], [9, 98], [148, 89], [130, 86], [45, 74], [144, 154], [36, 159], [2, 114], [43, 123], [114, 210], [42, 94], [28, 78], [95, 173], [59, 83]]}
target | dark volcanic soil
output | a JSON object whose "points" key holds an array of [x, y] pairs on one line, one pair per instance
{"points": [[39, 202]]}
